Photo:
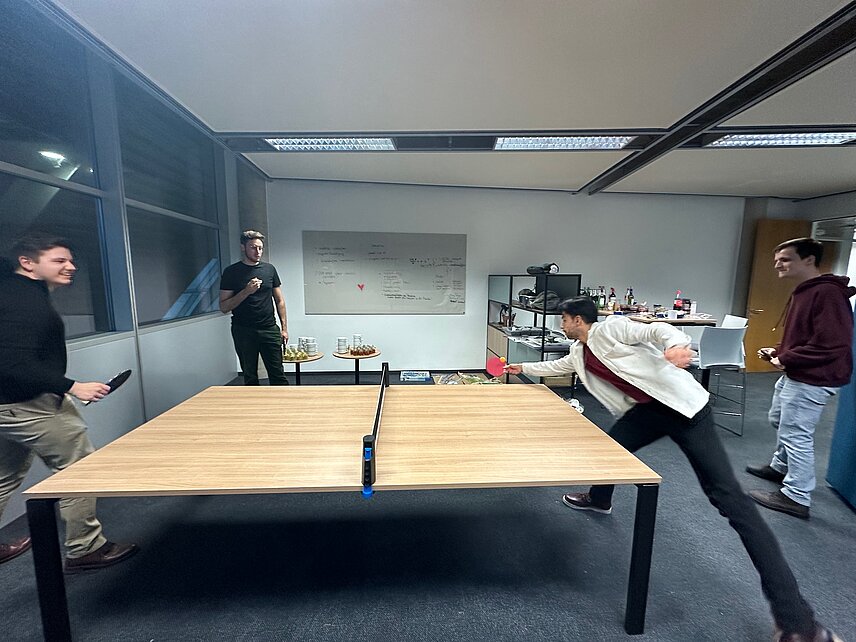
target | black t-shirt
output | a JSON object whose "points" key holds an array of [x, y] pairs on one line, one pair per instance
{"points": [[256, 311]]}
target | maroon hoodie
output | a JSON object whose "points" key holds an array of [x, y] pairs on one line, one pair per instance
{"points": [[817, 338]]}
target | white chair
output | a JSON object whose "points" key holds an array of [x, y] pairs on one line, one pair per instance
{"points": [[731, 321], [722, 349]]}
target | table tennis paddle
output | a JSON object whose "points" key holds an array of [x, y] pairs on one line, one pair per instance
{"points": [[495, 366], [114, 382]]}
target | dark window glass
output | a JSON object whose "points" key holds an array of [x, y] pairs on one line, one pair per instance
{"points": [[45, 120], [176, 266], [27, 206], [166, 161], [252, 199]]}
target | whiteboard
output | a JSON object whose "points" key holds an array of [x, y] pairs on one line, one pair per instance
{"points": [[384, 273]]}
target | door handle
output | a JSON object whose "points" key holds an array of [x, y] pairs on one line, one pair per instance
{"points": [[755, 311]]}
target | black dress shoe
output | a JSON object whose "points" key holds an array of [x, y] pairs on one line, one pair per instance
{"points": [[109, 554], [13, 549], [766, 472], [778, 501]]}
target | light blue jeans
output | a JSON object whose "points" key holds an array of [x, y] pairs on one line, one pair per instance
{"points": [[794, 413]]}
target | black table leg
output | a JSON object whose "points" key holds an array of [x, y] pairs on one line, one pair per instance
{"points": [[41, 515], [705, 378], [297, 373], [357, 371], [640, 557]]}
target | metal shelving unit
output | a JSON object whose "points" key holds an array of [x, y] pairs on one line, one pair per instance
{"points": [[503, 302]]}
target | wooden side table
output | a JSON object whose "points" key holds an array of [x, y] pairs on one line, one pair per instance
{"points": [[297, 363], [356, 358]]}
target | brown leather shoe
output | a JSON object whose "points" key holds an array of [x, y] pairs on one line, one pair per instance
{"points": [[109, 554], [821, 634], [776, 500], [13, 549], [766, 472]]}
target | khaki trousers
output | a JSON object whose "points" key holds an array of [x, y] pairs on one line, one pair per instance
{"points": [[50, 427]]}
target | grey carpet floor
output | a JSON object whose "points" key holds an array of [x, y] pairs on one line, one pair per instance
{"points": [[499, 564]]}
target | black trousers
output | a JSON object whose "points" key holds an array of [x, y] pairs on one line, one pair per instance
{"points": [[252, 342], [699, 441]]}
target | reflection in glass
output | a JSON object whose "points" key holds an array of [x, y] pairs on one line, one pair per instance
{"points": [[27, 206], [44, 101], [176, 267], [166, 161]]}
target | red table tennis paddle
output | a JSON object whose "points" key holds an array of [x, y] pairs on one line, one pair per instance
{"points": [[114, 382], [495, 366]]}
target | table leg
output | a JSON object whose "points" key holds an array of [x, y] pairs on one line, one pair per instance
{"points": [[640, 557], [47, 560], [705, 378], [357, 371], [297, 373]]}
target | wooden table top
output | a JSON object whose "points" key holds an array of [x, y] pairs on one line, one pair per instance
{"points": [[644, 318], [248, 440]]}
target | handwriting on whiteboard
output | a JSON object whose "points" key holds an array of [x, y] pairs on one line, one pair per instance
{"points": [[395, 273]]}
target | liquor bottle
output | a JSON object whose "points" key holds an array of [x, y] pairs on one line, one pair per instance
{"points": [[601, 299], [610, 304], [629, 298], [679, 302]]}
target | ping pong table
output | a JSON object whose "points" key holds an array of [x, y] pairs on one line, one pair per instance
{"points": [[347, 439]]}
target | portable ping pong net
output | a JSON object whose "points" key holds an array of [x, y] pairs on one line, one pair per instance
{"points": [[313, 439]]}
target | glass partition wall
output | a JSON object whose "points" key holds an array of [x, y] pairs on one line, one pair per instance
{"points": [[89, 152]]}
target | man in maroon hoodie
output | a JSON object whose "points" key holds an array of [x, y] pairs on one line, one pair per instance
{"points": [[815, 354]]}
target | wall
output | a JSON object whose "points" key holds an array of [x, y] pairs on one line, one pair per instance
{"points": [[180, 360], [827, 207], [656, 244]]}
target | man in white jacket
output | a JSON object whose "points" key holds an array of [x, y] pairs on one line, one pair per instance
{"points": [[637, 371]]}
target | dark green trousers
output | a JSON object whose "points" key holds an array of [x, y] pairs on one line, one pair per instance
{"points": [[252, 342]]}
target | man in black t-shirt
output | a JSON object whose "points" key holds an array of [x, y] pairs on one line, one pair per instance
{"points": [[249, 289]]}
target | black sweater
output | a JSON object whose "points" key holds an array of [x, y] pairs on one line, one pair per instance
{"points": [[32, 341]]}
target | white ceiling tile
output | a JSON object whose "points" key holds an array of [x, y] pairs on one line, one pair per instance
{"points": [[787, 173]]}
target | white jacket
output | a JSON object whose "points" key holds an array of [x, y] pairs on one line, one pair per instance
{"points": [[634, 352]]}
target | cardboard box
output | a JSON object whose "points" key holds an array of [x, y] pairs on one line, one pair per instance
{"points": [[465, 378]]}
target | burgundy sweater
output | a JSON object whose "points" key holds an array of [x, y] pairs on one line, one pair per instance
{"points": [[816, 345]]}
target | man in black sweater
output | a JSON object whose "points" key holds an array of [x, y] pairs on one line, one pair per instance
{"points": [[37, 414]]}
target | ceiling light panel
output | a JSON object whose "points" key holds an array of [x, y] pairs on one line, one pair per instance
{"points": [[331, 144], [537, 143], [782, 140]]}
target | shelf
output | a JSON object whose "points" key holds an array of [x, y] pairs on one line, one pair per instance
{"points": [[520, 306], [503, 291]]}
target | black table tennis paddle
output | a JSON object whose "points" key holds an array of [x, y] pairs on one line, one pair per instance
{"points": [[114, 382]]}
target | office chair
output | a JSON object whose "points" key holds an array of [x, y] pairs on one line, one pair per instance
{"points": [[731, 321], [722, 349]]}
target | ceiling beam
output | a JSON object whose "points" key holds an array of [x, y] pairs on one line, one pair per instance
{"points": [[825, 43]]}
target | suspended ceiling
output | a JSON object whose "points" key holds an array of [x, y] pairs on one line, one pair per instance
{"points": [[312, 67]]}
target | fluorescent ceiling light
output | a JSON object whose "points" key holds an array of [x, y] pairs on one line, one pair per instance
{"points": [[331, 144], [561, 142], [778, 140], [54, 157]]}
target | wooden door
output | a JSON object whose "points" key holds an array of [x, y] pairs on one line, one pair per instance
{"points": [[768, 294]]}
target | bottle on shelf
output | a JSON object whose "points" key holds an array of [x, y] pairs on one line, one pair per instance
{"points": [[679, 302], [629, 298], [610, 304], [601, 298]]}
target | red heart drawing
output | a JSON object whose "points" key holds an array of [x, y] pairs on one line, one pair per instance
{"points": [[361, 285]]}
